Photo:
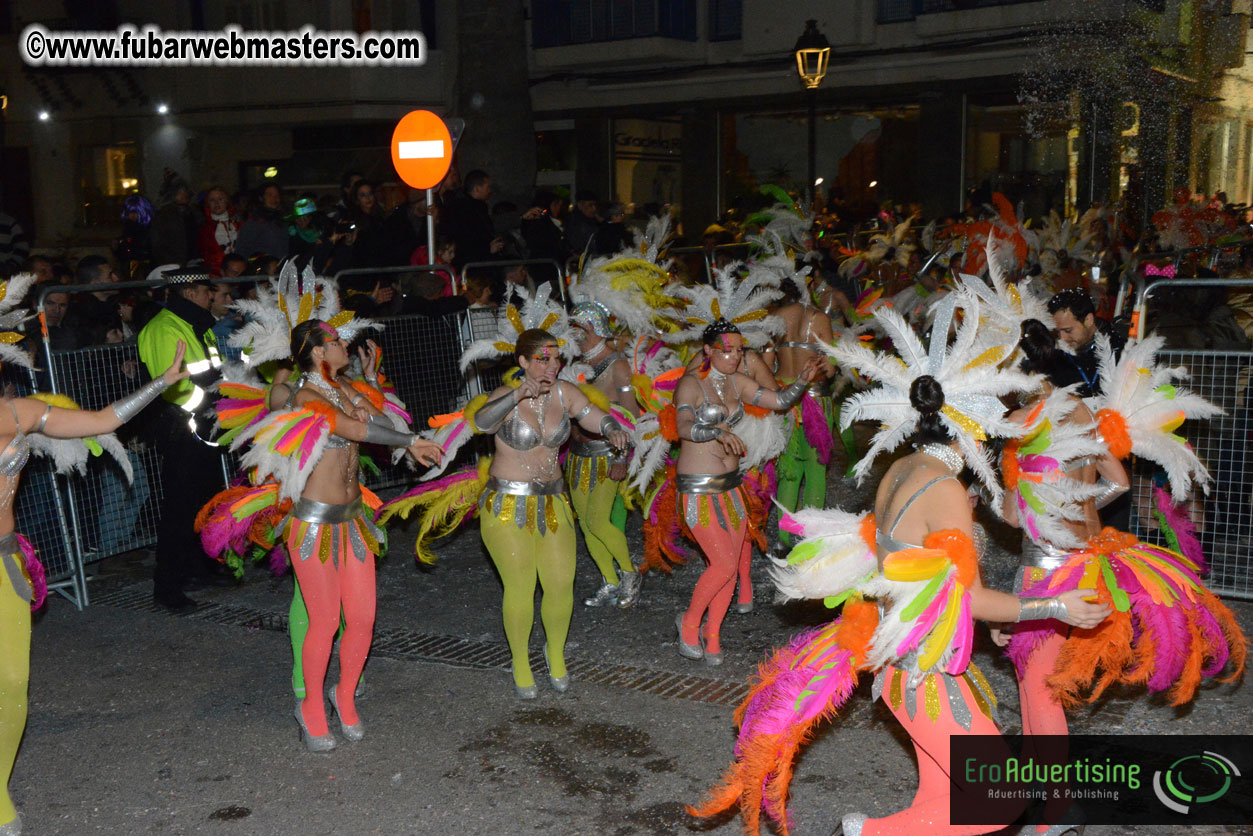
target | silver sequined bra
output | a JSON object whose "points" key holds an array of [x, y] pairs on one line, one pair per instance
{"points": [[17, 453], [711, 413], [522, 437]]}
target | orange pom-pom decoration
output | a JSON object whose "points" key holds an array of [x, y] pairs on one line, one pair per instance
{"points": [[1009, 465], [869, 532], [1113, 428], [857, 625], [757, 411], [667, 419], [324, 409], [374, 396], [960, 549]]}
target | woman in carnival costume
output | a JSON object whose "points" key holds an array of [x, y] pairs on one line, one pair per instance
{"points": [[623, 289], [304, 435], [710, 403], [51, 426], [519, 493], [915, 558], [1166, 631]]}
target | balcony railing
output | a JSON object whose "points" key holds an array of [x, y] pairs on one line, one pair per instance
{"points": [[896, 11], [568, 22]]}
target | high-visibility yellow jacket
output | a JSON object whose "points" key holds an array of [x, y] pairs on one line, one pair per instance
{"points": [[158, 343]]}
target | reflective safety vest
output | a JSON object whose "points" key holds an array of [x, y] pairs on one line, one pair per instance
{"points": [[158, 343]]}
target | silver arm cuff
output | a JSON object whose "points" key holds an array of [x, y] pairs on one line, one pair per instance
{"points": [[705, 432], [1039, 609], [493, 413], [387, 436], [609, 424], [1109, 492], [791, 394], [128, 407]]}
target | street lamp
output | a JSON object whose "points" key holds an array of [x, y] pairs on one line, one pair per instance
{"points": [[812, 53]]}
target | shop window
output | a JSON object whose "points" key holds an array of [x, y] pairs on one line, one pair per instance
{"points": [[647, 169], [726, 20], [108, 174]]}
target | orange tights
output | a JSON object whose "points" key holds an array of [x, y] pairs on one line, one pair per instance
{"points": [[929, 812], [728, 555], [345, 581]]}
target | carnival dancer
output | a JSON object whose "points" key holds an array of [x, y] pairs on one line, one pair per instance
{"points": [[709, 404], [304, 451], [43, 425], [915, 557], [1167, 631], [519, 494]]}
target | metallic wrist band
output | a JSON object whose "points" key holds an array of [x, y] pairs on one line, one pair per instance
{"points": [[791, 394], [128, 407], [493, 413], [705, 432], [609, 424], [386, 436], [1039, 609], [1109, 492]]}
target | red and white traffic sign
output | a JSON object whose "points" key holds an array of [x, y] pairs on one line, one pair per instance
{"points": [[421, 149]]}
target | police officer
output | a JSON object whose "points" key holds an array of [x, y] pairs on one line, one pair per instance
{"points": [[191, 465]]}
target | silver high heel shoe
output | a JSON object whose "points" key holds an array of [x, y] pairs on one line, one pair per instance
{"points": [[687, 651], [560, 683], [850, 825], [354, 732], [320, 744], [629, 586]]}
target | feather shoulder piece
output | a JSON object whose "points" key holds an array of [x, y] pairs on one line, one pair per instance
{"points": [[1034, 469], [72, 454], [835, 554], [285, 446], [443, 506], [242, 521], [12, 293], [1140, 407]]}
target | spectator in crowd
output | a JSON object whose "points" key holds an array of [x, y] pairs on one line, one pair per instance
{"points": [[1074, 316], [543, 233], [264, 265], [468, 221], [99, 304], [405, 230], [478, 290], [446, 251], [191, 470], [265, 230], [176, 223], [219, 231], [14, 248], [612, 236], [134, 248], [234, 265], [43, 269], [305, 238], [347, 185], [228, 321], [369, 246], [506, 221], [583, 221], [61, 336]]}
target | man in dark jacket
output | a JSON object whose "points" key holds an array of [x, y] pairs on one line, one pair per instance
{"points": [[1074, 317], [468, 221]]}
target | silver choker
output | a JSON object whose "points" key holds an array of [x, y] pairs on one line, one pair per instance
{"points": [[951, 458]]}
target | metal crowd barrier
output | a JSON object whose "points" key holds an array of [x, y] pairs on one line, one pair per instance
{"points": [[78, 520], [1173, 259], [1224, 518]]}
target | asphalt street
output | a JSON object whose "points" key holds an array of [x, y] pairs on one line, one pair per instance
{"points": [[143, 722]]}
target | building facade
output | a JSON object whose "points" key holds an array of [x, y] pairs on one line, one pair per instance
{"points": [[691, 103]]}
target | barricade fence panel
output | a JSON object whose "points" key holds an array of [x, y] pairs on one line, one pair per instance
{"points": [[83, 518], [1224, 517]]}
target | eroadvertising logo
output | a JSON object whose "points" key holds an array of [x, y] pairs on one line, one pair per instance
{"points": [[1101, 779], [1194, 779]]}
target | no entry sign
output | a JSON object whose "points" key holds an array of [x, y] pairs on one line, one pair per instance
{"points": [[421, 149]]}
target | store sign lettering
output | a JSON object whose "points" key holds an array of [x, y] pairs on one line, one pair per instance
{"points": [[625, 140]]}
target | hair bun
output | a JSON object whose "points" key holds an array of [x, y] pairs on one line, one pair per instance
{"points": [[926, 395]]}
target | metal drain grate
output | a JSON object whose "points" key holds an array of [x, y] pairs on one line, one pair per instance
{"points": [[398, 643]]}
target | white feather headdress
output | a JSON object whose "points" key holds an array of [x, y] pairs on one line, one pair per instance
{"points": [[288, 300], [536, 311], [1140, 404], [740, 301], [12, 293], [630, 287], [972, 384], [1002, 307]]}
